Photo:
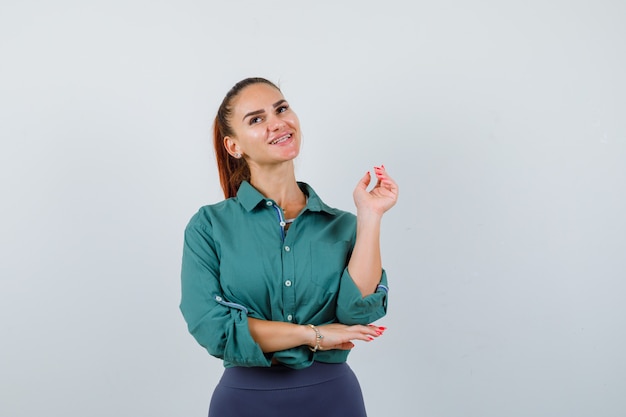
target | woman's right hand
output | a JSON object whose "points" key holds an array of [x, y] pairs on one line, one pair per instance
{"points": [[340, 336]]}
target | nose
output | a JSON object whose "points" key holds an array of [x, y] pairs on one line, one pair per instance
{"points": [[275, 123]]}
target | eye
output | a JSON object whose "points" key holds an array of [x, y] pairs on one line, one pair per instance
{"points": [[255, 120], [282, 109]]}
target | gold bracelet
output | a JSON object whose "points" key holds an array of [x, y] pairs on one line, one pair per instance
{"points": [[318, 339]]}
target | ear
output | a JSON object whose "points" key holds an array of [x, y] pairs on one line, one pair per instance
{"points": [[232, 146]]}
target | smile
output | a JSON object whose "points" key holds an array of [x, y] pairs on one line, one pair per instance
{"points": [[281, 139]]}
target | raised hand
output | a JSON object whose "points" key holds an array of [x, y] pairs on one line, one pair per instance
{"points": [[380, 198]]}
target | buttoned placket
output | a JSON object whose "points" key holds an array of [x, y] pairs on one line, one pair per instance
{"points": [[288, 264]]}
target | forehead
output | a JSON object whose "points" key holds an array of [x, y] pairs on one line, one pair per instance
{"points": [[254, 97]]}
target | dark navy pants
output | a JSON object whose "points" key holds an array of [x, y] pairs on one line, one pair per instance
{"points": [[321, 390]]}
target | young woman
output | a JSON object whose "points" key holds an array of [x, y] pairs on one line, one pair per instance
{"points": [[275, 282]]}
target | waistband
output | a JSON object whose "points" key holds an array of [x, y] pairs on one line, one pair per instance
{"points": [[281, 377]]}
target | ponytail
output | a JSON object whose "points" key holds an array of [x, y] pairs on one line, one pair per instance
{"points": [[232, 171]]}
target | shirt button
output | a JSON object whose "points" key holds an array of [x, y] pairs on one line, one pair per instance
{"points": [[282, 224], [269, 203], [218, 299], [288, 283], [290, 317], [287, 248]]}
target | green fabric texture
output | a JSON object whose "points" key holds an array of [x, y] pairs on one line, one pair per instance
{"points": [[239, 262]]}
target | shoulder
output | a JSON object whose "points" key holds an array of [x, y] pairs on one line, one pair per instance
{"points": [[207, 215], [315, 203], [317, 208]]}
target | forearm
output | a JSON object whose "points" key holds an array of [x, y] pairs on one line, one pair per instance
{"points": [[274, 336], [365, 266]]}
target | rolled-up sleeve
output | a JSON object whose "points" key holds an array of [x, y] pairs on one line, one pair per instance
{"points": [[353, 308], [218, 325]]}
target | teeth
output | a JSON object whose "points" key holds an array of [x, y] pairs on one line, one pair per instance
{"points": [[281, 139]]}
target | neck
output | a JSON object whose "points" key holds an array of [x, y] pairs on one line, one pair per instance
{"points": [[277, 182]]}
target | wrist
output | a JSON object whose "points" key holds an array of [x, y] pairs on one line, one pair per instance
{"points": [[369, 215], [316, 343], [308, 336]]}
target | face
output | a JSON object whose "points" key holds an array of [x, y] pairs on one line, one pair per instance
{"points": [[266, 130]]}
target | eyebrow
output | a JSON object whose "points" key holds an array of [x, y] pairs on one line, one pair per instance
{"points": [[256, 112]]}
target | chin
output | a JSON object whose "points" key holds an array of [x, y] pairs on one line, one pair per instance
{"points": [[292, 153]]}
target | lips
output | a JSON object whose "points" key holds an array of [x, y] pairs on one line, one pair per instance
{"points": [[280, 139]]}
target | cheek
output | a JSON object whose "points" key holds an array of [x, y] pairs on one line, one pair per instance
{"points": [[251, 137], [293, 121]]}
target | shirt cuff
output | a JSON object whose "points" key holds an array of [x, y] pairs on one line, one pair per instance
{"points": [[353, 308], [241, 349]]}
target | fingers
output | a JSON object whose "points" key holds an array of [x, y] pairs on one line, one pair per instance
{"points": [[364, 181], [378, 331], [380, 174], [384, 178], [358, 332], [366, 333], [341, 336]]}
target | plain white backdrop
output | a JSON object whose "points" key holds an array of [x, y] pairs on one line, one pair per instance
{"points": [[502, 121]]}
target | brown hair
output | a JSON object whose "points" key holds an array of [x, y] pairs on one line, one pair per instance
{"points": [[233, 171]]}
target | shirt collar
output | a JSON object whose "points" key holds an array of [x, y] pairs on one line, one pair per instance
{"points": [[249, 197]]}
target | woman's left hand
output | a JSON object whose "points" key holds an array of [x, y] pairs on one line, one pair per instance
{"points": [[380, 198]]}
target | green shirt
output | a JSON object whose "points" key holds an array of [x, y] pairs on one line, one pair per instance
{"points": [[239, 262]]}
